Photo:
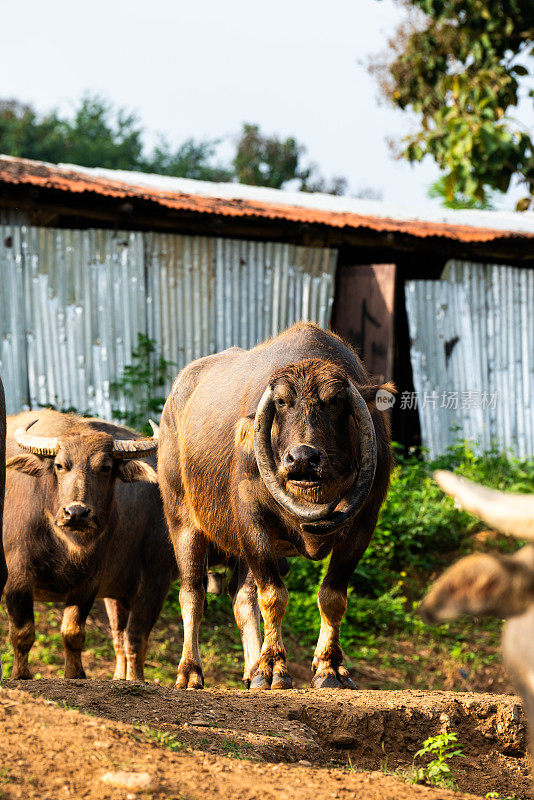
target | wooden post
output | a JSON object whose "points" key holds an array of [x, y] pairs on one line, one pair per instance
{"points": [[364, 314]]}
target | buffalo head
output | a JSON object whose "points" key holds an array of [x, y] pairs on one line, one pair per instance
{"points": [[315, 444], [82, 465]]}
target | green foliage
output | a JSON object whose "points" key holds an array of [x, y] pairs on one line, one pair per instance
{"points": [[263, 160], [98, 135], [439, 190], [438, 771], [102, 135], [143, 385], [461, 66], [163, 738], [192, 159]]}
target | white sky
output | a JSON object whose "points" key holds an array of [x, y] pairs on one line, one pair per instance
{"points": [[202, 68]]}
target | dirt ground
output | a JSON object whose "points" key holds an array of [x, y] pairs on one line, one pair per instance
{"points": [[60, 738]]}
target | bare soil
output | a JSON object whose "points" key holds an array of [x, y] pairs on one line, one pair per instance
{"points": [[60, 737]]}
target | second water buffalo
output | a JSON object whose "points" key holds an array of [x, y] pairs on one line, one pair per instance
{"points": [[275, 451], [83, 519]]}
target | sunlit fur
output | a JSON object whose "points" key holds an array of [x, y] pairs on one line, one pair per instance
{"points": [[213, 494]]}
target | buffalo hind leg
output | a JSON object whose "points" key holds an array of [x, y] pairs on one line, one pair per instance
{"points": [[247, 616], [73, 634], [191, 549], [21, 629], [118, 619], [144, 612]]}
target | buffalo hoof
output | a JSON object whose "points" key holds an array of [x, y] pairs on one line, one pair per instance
{"points": [[326, 680], [189, 679], [282, 682], [260, 681]]}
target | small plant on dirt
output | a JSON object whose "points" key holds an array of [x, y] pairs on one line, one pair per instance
{"points": [[143, 385], [497, 796], [230, 747], [163, 738], [438, 771]]}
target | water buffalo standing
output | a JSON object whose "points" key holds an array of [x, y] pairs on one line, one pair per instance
{"points": [[266, 453], [494, 584], [3, 567], [83, 519]]}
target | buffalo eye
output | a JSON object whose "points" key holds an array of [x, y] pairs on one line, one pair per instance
{"points": [[280, 402], [59, 467], [105, 468]]}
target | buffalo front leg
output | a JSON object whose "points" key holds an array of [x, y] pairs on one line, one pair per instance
{"points": [[73, 634], [191, 549], [328, 669], [21, 629], [118, 619], [272, 670], [247, 616]]}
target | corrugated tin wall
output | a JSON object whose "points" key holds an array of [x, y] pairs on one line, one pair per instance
{"points": [[472, 346], [72, 303]]}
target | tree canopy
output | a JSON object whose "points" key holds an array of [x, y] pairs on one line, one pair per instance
{"points": [[101, 135], [462, 66]]}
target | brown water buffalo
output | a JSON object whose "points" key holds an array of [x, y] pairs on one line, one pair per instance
{"points": [[3, 567], [83, 519], [494, 584], [265, 453]]}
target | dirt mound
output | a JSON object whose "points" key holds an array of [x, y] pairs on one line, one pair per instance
{"points": [[239, 744]]}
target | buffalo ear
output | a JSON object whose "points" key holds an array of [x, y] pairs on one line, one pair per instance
{"points": [[369, 391], [28, 463], [131, 471], [244, 433]]}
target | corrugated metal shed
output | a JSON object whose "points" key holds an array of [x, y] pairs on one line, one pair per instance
{"points": [[238, 201], [72, 303], [472, 346]]}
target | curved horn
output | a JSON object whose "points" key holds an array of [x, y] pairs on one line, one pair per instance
{"points": [[40, 445], [318, 518], [155, 429], [362, 478], [136, 448], [504, 511]]}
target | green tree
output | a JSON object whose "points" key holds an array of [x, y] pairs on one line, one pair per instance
{"points": [[26, 134], [192, 159], [98, 135], [461, 66], [263, 160], [439, 190], [102, 136]]}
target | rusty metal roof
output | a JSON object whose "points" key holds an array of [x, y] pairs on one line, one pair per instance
{"points": [[238, 201]]}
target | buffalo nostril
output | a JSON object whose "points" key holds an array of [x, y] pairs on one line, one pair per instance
{"points": [[76, 511], [302, 457]]}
